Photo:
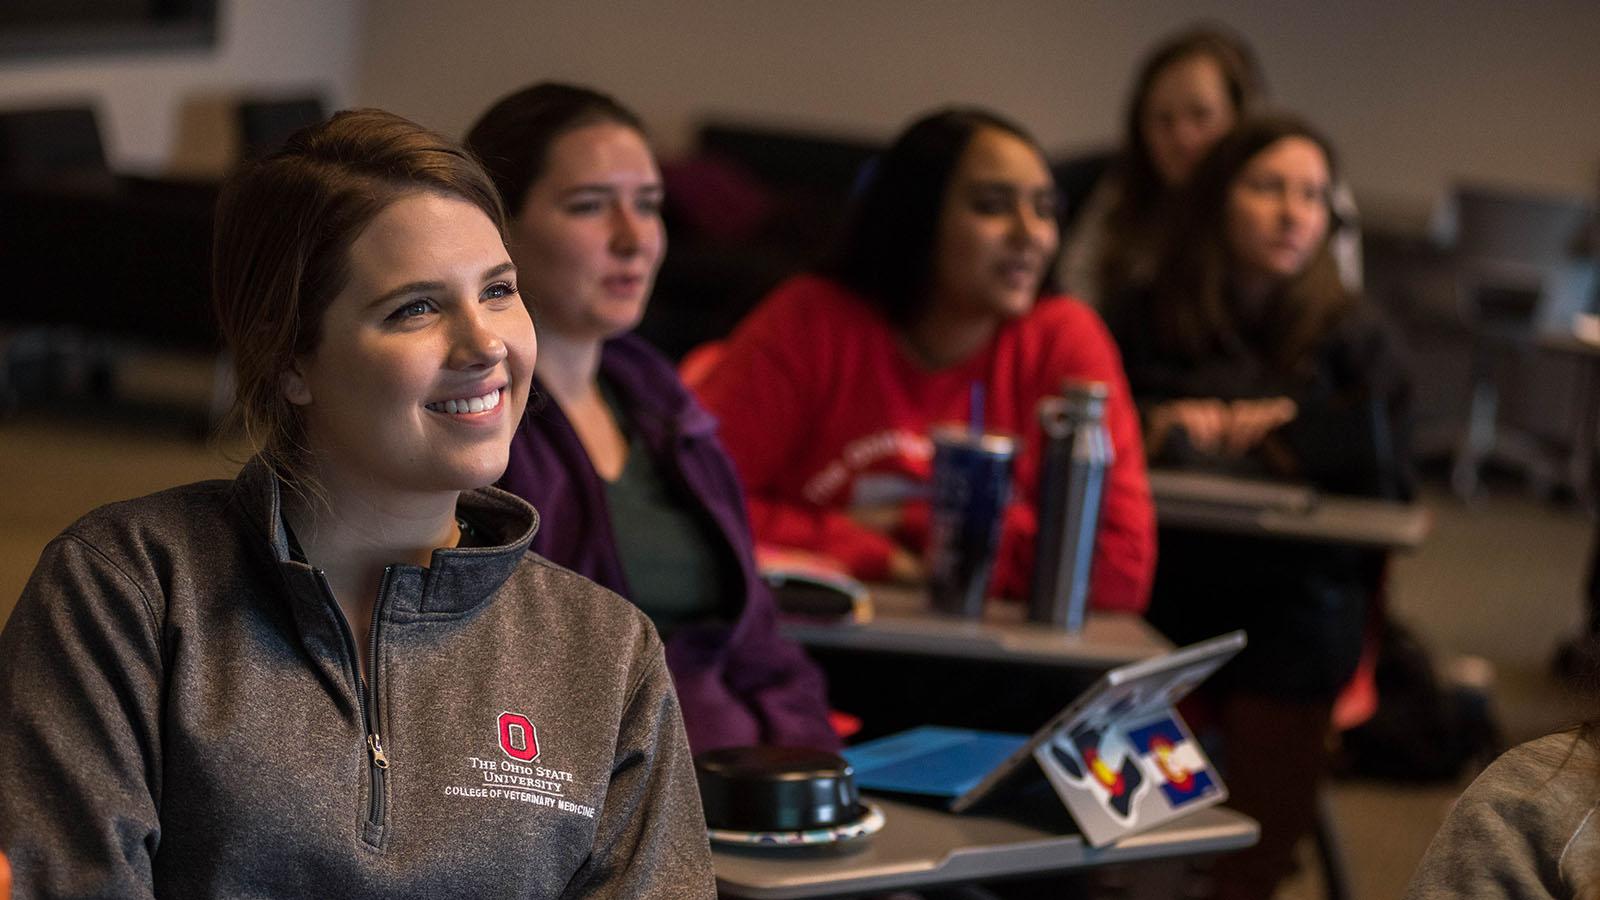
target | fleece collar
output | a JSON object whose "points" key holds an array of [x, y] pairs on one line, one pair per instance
{"points": [[457, 579]]}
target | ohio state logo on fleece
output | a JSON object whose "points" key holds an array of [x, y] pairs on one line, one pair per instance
{"points": [[518, 738], [515, 780]]}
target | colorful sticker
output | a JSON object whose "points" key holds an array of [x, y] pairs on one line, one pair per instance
{"points": [[1172, 756]]}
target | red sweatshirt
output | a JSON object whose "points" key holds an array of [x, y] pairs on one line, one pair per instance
{"points": [[822, 411]]}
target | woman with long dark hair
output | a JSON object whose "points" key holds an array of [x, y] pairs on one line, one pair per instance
{"points": [[1188, 94], [938, 294], [1247, 355]]}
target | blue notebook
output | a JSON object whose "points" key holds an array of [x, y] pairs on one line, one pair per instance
{"points": [[932, 761]]}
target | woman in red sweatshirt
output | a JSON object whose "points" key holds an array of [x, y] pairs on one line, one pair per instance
{"points": [[828, 391]]}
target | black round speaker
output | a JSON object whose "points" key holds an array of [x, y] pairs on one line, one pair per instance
{"points": [[761, 789]]}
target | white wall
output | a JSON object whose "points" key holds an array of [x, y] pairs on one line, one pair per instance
{"points": [[1415, 93], [164, 111]]}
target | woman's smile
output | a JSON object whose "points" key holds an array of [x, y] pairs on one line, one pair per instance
{"points": [[475, 406]]}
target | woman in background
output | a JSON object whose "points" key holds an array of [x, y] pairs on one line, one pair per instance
{"points": [[331, 676], [1190, 92], [828, 391], [1247, 355], [624, 463]]}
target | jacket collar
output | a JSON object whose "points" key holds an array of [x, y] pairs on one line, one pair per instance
{"points": [[457, 580], [658, 401]]}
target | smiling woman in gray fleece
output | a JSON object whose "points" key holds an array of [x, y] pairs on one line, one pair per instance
{"points": [[342, 673]]}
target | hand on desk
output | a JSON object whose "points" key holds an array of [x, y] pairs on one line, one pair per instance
{"points": [[884, 518], [1230, 428], [905, 567]]}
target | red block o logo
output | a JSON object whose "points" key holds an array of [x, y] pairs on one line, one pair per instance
{"points": [[518, 738]]}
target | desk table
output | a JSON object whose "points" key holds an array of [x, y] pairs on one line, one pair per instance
{"points": [[922, 847], [1353, 521], [902, 622], [910, 666]]}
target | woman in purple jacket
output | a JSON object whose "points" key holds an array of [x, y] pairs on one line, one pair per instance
{"points": [[619, 457]]}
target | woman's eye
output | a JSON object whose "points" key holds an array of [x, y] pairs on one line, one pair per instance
{"points": [[411, 310], [648, 206], [499, 290], [1264, 185], [584, 207], [991, 205]]}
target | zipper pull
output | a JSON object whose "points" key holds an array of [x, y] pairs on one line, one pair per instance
{"points": [[375, 744]]}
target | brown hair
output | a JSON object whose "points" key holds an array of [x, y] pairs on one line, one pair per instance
{"points": [[512, 138], [1193, 313], [1136, 221], [284, 226]]}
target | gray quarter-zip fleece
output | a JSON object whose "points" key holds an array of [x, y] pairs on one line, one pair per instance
{"points": [[181, 715]]}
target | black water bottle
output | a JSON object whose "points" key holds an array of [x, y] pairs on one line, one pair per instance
{"points": [[1072, 476]]}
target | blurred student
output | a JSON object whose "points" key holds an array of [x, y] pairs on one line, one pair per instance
{"points": [[1190, 92], [619, 458], [342, 673], [828, 391], [1525, 828], [1247, 355]]}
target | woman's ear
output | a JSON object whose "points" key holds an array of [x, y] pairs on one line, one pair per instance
{"points": [[295, 389]]}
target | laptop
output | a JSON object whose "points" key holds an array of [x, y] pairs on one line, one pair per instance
{"points": [[1119, 757]]}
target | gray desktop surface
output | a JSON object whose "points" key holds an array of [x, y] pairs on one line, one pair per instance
{"points": [[1355, 521], [903, 623], [920, 847]]}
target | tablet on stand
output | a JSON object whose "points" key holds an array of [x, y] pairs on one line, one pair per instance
{"points": [[1119, 757]]}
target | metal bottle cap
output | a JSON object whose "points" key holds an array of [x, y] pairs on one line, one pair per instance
{"points": [[1086, 400]]}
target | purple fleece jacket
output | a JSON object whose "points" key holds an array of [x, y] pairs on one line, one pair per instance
{"points": [[738, 683]]}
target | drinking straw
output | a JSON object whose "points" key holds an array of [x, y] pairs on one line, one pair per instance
{"points": [[975, 408]]}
